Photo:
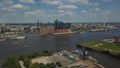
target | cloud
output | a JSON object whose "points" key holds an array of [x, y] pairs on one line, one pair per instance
{"points": [[106, 0], [84, 2], [67, 7], [27, 1], [61, 11], [83, 11], [35, 12], [15, 7], [8, 1], [52, 2], [64, 12], [1, 4], [96, 3], [97, 9], [106, 13]]}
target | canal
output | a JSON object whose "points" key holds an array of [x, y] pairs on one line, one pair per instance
{"points": [[60, 42]]}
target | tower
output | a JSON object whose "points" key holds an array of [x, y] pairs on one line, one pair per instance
{"points": [[38, 23]]}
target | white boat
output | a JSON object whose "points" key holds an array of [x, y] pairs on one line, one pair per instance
{"points": [[26, 45], [15, 42], [83, 32], [20, 37], [2, 39], [63, 33]]}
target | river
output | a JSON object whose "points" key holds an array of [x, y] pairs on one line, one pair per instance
{"points": [[60, 42]]}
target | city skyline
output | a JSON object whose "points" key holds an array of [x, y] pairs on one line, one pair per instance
{"points": [[24, 11]]}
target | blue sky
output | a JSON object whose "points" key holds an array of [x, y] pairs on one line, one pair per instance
{"points": [[25, 11]]}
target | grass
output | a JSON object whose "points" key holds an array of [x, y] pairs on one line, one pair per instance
{"points": [[112, 47]]}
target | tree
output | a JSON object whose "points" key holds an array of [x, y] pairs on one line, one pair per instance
{"points": [[27, 63], [52, 65], [58, 64], [11, 63], [41, 65], [35, 65]]}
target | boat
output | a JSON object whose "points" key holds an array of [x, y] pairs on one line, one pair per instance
{"points": [[26, 46], [63, 33], [15, 42], [20, 37], [83, 32], [2, 39]]}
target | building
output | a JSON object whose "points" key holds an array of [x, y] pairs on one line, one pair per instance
{"points": [[15, 29], [57, 27], [46, 30], [61, 27], [0, 31]]}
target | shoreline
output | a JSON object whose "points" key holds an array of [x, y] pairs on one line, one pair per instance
{"points": [[108, 52], [63, 33], [63, 57]]}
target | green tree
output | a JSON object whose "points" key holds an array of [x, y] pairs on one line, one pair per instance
{"points": [[27, 63], [11, 63], [58, 64], [41, 65], [52, 65], [35, 65]]}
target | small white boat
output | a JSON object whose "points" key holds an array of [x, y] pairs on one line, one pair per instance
{"points": [[15, 42], [26, 45], [83, 32], [20, 37], [2, 39]]}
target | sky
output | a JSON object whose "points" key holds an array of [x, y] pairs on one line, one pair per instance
{"points": [[29, 11]]}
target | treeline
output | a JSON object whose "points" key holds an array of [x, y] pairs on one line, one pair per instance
{"points": [[31, 56], [13, 62]]}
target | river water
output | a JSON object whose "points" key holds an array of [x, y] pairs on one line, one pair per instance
{"points": [[61, 42]]}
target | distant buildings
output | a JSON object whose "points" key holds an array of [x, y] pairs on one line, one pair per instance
{"points": [[45, 30], [115, 39], [58, 27]]}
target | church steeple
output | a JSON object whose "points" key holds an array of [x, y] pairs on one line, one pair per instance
{"points": [[38, 23]]}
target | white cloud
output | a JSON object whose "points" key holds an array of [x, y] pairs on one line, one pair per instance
{"points": [[15, 7], [67, 7], [94, 14], [105, 15], [27, 1], [52, 2], [96, 3], [97, 9], [106, 12], [83, 11], [84, 2], [62, 13], [35, 12], [8, 1], [1, 4], [106, 0]]}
